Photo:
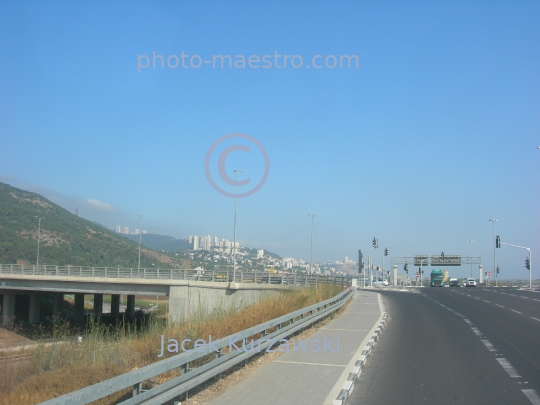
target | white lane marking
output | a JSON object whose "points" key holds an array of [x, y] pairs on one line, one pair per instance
{"points": [[487, 301], [488, 344], [515, 311], [508, 367], [535, 299], [536, 319], [477, 331], [499, 305], [533, 396], [476, 298]]}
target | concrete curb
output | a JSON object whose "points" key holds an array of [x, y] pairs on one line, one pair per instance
{"points": [[348, 386]]}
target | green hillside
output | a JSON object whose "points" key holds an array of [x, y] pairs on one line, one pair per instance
{"points": [[66, 239], [161, 242]]}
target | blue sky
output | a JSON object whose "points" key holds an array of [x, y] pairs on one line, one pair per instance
{"points": [[434, 132]]}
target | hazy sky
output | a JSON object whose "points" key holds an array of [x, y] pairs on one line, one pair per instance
{"points": [[434, 132]]}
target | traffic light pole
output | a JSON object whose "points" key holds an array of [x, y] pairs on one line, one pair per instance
{"points": [[530, 264]]}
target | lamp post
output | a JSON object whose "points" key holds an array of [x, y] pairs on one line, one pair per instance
{"points": [[470, 252], [311, 255], [494, 254], [38, 237], [234, 237], [140, 237]]}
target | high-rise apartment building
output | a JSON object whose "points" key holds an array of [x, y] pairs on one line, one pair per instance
{"points": [[117, 229], [126, 230]]}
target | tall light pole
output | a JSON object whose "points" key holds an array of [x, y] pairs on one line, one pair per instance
{"points": [[311, 256], [234, 237], [494, 254], [470, 252], [38, 237], [140, 237]]}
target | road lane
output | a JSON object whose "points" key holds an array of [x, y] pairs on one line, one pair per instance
{"points": [[428, 354], [511, 329]]}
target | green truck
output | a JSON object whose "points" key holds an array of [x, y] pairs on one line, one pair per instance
{"points": [[437, 278]]}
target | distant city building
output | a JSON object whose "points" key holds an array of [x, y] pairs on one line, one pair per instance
{"points": [[126, 230], [345, 259], [117, 229], [260, 253], [205, 243], [78, 212], [136, 232], [194, 243], [143, 232]]}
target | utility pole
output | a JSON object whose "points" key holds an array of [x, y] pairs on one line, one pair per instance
{"points": [[38, 237], [140, 238], [494, 254], [234, 237], [311, 255]]}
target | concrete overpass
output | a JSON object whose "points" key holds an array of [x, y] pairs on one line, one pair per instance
{"points": [[189, 291]]}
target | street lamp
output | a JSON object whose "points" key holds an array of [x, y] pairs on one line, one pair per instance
{"points": [[311, 256], [38, 237], [234, 238], [140, 236], [494, 254], [470, 252]]}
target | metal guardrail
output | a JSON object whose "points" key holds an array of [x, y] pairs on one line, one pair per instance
{"points": [[172, 274], [280, 328]]}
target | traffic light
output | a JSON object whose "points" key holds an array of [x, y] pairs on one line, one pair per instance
{"points": [[527, 264], [498, 269], [498, 242], [386, 251], [406, 267], [375, 243]]}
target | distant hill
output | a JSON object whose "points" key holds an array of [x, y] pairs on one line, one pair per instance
{"points": [[65, 239], [160, 242]]}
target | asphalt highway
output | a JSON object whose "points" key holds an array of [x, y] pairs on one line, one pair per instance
{"points": [[455, 346]]}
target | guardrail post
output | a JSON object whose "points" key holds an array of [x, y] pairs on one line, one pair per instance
{"points": [[294, 281], [137, 388], [69, 268], [213, 275], [316, 279], [131, 273], [282, 278], [268, 278], [157, 273], [185, 369], [92, 272], [241, 275], [185, 274], [228, 276]]}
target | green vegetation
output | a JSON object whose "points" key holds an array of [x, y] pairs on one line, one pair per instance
{"points": [[65, 239], [161, 242]]}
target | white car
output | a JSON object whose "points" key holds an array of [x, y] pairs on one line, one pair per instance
{"points": [[380, 282], [471, 282]]}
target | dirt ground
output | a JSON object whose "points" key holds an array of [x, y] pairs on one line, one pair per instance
{"points": [[10, 339]]}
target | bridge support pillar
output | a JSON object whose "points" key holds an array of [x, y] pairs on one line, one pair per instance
{"points": [[78, 308], [98, 306], [130, 310], [58, 303], [115, 305], [8, 309], [34, 311]]}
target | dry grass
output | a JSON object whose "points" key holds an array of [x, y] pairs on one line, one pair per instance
{"points": [[57, 369]]}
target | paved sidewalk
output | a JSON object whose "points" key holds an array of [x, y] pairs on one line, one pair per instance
{"points": [[314, 377]]}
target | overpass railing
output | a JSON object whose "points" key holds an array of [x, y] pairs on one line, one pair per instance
{"points": [[242, 276], [200, 366]]}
